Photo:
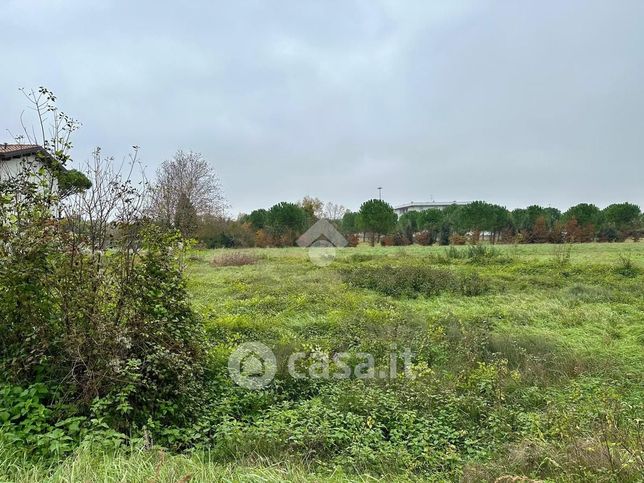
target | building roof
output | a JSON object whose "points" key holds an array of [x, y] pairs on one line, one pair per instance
{"points": [[429, 204], [8, 151]]}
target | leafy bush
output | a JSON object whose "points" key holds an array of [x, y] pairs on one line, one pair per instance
{"points": [[217, 232], [411, 281], [402, 281], [479, 254], [108, 333], [472, 284]]}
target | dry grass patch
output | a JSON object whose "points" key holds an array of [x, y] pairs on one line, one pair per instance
{"points": [[234, 259]]}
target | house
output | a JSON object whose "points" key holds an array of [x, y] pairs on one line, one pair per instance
{"points": [[14, 158], [426, 205]]}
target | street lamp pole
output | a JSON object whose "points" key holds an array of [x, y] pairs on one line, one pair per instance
{"points": [[380, 193]]}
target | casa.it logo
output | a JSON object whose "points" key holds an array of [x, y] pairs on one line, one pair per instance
{"points": [[252, 365]]}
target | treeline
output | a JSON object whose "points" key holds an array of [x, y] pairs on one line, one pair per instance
{"points": [[278, 226], [187, 195], [535, 224], [376, 222]]}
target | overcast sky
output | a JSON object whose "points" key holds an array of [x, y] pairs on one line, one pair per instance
{"points": [[513, 102]]}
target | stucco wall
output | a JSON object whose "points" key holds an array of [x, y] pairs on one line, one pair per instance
{"points": [[12, 167]]}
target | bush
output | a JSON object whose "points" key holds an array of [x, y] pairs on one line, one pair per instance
{"points": [[110, 334], [352, 241], [402, 281], [234, 259], [397, 239], [475, 254], [457, 239], [424, 238], [387, 241], [610, 234], [626, 266], [262, 239], [216, 232], [472, 284]]}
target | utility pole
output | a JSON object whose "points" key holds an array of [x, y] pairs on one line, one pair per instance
{"points": [[380, 193]]}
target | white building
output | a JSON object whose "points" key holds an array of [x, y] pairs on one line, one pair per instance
{"points": [[16, 157], [426, 205]]}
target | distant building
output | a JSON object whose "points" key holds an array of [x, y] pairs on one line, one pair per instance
{"points": [[16, 157], [425, 205]]}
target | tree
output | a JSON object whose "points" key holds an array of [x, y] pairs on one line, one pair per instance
{"points": [[350, 223], [333, 211], [519, 219], [185, 216], [72, 181], [377, 217], [624, 216], [482, 216], [286, 221], [500, 221], [524, 220], [552, 216], [453, 220], [539, 232], [411, 220], [313, 207], [431, 220], [477, 216], [584, 213], [409, 223], [189, 174], [258, 218]]}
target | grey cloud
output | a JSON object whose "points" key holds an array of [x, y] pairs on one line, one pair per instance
{"points": [[513, 102]]}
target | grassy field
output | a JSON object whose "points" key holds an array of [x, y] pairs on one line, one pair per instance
{"points": [[527, 360]]}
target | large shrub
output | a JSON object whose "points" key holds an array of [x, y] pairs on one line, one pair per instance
{"points": [[108, 332]]}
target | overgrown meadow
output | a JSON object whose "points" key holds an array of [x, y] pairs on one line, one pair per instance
{"points": [[527, 361]]}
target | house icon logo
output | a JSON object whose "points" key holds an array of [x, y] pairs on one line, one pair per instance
{"points": [[252, 365], [322, 239]]}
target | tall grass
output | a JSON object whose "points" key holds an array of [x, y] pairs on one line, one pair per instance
{"points": [[152, 465], [537, 378]]}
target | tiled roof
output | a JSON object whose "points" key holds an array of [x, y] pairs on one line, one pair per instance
{"points": [[8, 151]]}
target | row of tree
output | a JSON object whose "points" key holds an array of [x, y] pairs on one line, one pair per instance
{"points": [[376, 222], [481, 220], [187, 195]]}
